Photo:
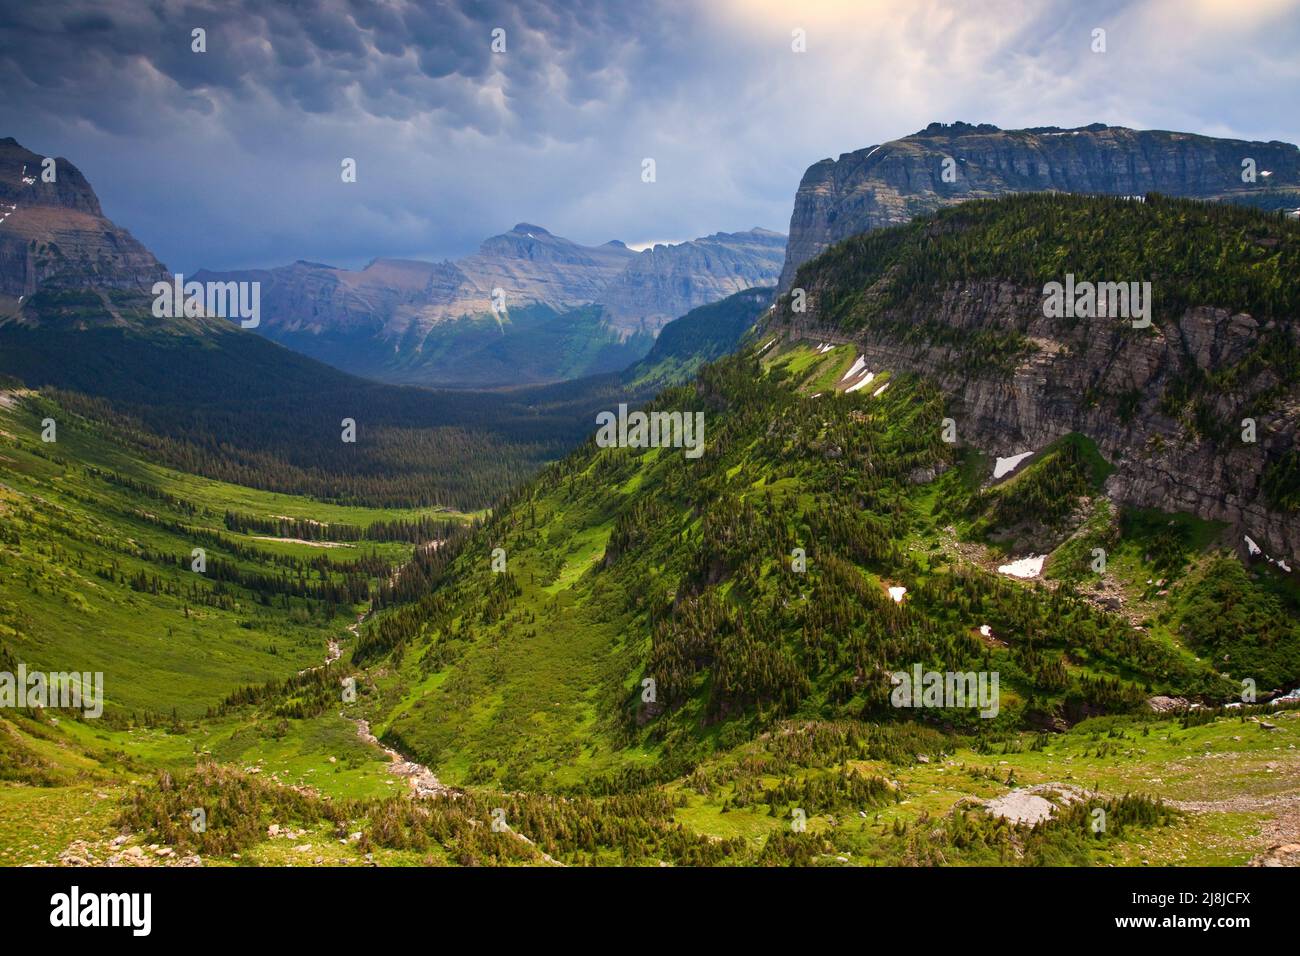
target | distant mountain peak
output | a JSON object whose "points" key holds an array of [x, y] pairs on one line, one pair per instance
{"points": [[527, 227]]}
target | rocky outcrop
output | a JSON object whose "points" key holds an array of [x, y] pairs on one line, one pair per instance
{"points": [[893, 182], [1071, 380], [54, 234]]}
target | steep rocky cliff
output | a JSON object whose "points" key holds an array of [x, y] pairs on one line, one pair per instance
{"points": [[890, 183], [54, 234], [952, 299]]}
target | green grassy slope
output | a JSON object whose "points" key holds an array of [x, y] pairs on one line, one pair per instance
{"points": [[96, 570], [624, 565]]}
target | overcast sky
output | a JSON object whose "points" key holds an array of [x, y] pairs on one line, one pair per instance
{"points": [[231, 158]]}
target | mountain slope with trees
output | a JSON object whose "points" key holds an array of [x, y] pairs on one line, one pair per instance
{"points": [[1198, 410], [624, 565]]}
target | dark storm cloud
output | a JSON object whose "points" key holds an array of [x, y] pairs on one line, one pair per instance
{"points": [[231, 157], [86, 23], [314, 56]]}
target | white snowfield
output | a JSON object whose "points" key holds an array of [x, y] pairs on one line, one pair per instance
{"points": [[897, 593], [876, 393], [825, 347], [1006, 466], [766, 347], [986, 631], [1030, 567], [857, 367], [866, 380]]}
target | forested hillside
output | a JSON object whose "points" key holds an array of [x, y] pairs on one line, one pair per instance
{"points": [[624, 566], [218, 700], [1195, 403]]}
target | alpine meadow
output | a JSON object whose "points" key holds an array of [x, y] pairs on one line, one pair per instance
{"points": [[932, 506]]}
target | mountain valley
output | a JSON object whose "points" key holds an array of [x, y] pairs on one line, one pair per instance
{"points": [[476, 635]]}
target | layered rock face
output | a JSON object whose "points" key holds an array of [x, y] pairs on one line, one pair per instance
{"points": [[665, 282], [533, 267], [1069, 382], [387, 319], [313, 299], [891, 183], [54, 234]]}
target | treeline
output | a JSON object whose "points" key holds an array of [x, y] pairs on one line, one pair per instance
{"points": [[299, 697], [370, 564], [1199, 253], [235, 408], [631, 829], [899, 281], [342, 590], [419, 530], [143, 489]]}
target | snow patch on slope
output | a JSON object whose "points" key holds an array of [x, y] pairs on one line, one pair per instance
{"points": [[1006, 466], [1030, 567], [866, 380]]}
